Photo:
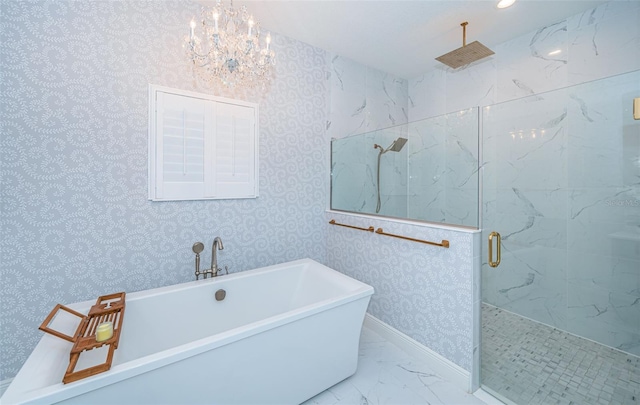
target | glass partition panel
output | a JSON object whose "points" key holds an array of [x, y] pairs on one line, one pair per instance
{"points": [[432, 176], [561, 193]]}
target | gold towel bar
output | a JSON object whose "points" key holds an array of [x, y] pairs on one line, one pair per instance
{"points": [[444, 243], [369, 229], [379, 231]]}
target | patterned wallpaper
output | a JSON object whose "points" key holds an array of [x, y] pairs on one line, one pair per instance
{"points": [[426, 292], [76, 222]]}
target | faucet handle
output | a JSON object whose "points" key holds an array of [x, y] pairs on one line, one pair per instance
{"points": [[226, 270]]}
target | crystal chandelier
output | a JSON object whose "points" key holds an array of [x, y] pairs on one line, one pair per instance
{"points": [[224, 45]]}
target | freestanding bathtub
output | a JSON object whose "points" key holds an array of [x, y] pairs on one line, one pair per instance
{"points": [[283, 334]]}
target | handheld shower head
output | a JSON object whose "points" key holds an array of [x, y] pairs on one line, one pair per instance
{"points": [[397, 145]]}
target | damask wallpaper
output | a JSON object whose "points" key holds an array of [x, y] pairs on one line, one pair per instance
{"points": [[76, 222]]}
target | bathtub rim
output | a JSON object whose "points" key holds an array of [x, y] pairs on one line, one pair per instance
{"points": [[118, 372]]}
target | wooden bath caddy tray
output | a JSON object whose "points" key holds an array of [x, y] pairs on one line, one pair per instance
{"points": [[108, 308]]}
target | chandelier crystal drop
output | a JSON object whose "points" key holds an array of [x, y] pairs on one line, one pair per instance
{"points": [[225, 45]]}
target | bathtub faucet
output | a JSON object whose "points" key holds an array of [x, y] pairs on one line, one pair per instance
{"points": [[198, 247], [217, 243]]}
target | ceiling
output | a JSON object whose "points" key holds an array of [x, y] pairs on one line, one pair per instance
{"points": [[403, 37]]}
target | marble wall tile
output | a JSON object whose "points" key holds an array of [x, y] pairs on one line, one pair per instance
{"points": [[605, 272], [533, 63], [443, 168], [604, 42], [427, 95], [609, 318], [354, 174], [530, 281], [472, 86], [387, 99], [602, 142], [364, 99]]}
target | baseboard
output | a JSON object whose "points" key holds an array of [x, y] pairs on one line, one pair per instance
{"points": [[445, 368], [4, 384], [489, 398]]}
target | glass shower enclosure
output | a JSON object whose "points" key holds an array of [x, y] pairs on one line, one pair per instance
{"points": [[559, 206], [433, 178], [561, 197]]}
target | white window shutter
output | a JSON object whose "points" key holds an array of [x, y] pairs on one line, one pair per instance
{"points": [[234, 151], [180, 142], [201, 146]]}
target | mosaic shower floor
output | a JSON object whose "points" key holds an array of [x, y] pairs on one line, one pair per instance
{"points": [[531, 363]]}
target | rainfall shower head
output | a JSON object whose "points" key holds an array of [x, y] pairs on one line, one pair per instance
{"points": [[467, 54]]}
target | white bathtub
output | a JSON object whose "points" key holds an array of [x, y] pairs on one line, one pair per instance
{"points": [[283, 334]]}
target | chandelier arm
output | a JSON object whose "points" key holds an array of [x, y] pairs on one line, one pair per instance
{"points": [[230, 50]]}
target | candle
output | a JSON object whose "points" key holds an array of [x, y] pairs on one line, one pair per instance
{"points": [[268, 40], [215, 21], [104, 331]]}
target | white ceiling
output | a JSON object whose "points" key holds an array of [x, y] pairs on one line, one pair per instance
{"points": [[403, 37]]}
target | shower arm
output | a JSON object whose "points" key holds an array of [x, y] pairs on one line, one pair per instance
{"points": [[382, 150]]}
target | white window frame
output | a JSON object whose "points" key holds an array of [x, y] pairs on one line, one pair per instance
{"points": [[154, 148]]}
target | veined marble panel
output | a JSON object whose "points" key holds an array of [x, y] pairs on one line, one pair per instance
{"points": [[443, 168], [427, 95], [604, 42], [461, 206], [387, 99], [364, 99], [472, 86], [610, 318], [347, 75], [603, 144], [530, 281], [613, 273], [532, 63], [387, 375], [354, 180]]}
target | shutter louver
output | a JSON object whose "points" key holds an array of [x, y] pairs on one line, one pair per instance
{"points": [[181, 164], [234, 159]]}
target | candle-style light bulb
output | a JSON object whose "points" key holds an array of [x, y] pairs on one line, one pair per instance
{"points": [[250, 26], [216, 16], [268, 40], [193, 26]]}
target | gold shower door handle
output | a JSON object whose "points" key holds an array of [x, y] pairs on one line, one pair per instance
{"points": [[491, 262]]}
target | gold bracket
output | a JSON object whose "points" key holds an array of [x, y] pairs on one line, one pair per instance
{"points": [[636, 108]]}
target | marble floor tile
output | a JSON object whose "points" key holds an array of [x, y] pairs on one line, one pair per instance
{"points": [[387, 375]]}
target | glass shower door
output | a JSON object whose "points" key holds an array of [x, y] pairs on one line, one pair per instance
{"points": [[561, 199]]}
